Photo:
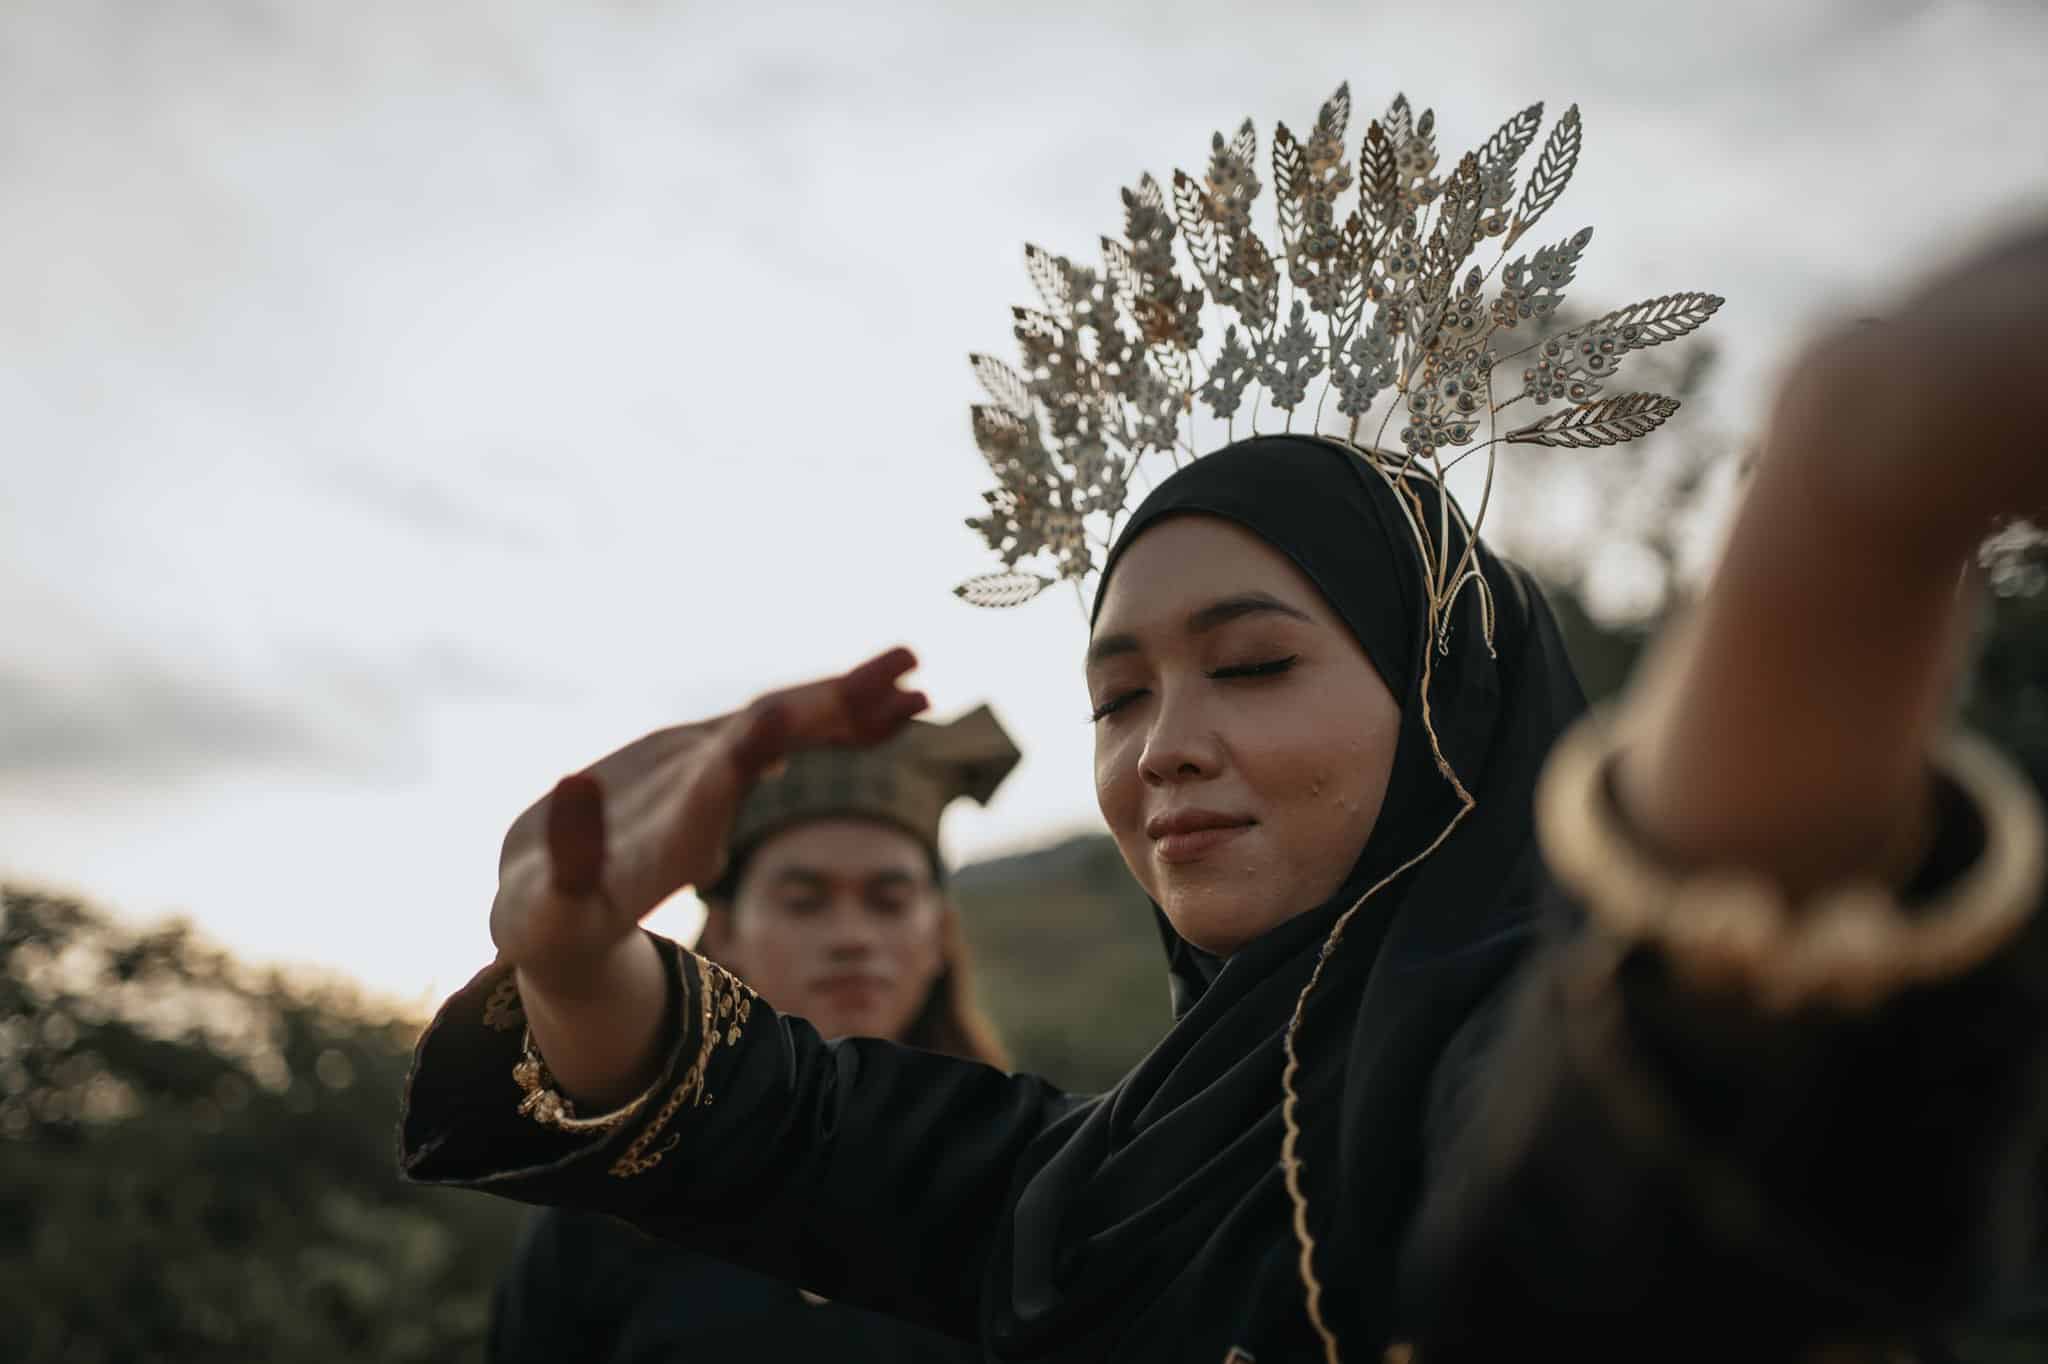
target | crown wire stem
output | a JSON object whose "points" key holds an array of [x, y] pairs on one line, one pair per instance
{"points": [[1469, 560], [1379, 438], [1533, 344], [1340, 337], [1491, 271], [1443, 525], [1412, 513], [1467, 454]]}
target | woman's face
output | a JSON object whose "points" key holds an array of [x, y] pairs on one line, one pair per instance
{"points": [[1242, 739], [838, 922]]}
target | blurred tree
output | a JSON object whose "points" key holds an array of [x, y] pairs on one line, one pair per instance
{"points": [[1067, 959], [2007, 695], [196, 1161]]}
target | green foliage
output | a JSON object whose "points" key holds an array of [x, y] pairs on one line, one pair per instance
{"points": [[197, 1161], [1066, 959]]}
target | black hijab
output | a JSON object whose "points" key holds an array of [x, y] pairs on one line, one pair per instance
{"points": [[1157, 1218]]}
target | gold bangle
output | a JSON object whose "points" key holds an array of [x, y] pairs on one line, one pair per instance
{"points": [[549, 1107], [1731, 930]]}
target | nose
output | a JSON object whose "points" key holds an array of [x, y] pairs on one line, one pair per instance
{"points": [[850, 932], [1180, 746]]}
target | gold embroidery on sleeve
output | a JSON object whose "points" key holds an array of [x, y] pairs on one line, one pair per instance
{"points": [[503, 1009], [723, 1007]]}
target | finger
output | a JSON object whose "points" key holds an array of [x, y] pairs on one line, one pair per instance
{"points": [[875, 679], [873, 703], [886, 716], [575, 825]]}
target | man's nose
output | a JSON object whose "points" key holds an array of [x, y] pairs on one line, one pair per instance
{"points": [[850, 930]]}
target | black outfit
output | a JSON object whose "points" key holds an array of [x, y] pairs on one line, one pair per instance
{"points": [[1468, 1178], [589, 1288]]}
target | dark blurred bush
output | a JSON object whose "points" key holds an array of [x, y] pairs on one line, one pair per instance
{"points": [[196, 1161]]}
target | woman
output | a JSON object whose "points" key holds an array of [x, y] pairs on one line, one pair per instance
{"points": [[834, 907], [1432, 1079]]}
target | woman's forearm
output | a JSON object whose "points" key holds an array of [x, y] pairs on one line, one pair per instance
{"points": [[1786, 729], [602, 1039]]}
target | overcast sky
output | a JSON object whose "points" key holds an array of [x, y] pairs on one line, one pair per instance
{"points": [[406, 403]]}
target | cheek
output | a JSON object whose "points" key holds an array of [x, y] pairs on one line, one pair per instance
{"points": [[1327, 794], [931, 955], [1116, 780], [1119, 795], [770, 950], [919, 953]]}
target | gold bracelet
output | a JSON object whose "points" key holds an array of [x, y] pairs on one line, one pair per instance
{"points": [[549, 1107], [1730, 930]]}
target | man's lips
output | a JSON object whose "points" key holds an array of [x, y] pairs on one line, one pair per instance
{"points": [[1187, 835], [853, 985]]}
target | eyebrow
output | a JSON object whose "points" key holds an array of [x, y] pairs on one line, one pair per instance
{"points": [[1203, 619], [813, 878]]}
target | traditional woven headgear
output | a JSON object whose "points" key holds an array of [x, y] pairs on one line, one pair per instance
{"points": [[907, 781]]}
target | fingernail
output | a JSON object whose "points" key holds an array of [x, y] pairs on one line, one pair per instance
{"points": [[575, 827], [884, 667]]}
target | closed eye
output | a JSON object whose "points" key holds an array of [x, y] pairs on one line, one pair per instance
{"points": [[1270, 668], [1113, 705]]}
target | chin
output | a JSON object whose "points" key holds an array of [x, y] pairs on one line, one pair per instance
{"points": [[1218, 929], [832, 1023]]}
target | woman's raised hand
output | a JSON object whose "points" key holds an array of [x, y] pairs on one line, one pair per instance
{"points": [[1926, 425], [581, 867]]}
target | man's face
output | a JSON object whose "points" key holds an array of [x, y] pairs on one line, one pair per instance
{"points": [[838, 922]]}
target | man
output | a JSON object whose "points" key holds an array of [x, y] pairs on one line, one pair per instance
{"points": [[833, 908]]}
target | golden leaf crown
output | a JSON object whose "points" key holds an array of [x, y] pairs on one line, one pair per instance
{"points": [[1373, 305]]}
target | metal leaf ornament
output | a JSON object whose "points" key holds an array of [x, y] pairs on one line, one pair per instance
{"points": [[1608, 422], [1367, 321]]}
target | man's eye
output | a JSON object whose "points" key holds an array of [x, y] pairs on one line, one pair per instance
{"points": [[803, 906]]}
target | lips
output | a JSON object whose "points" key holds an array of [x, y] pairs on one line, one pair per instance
{"points": [[850, 987], [1189, 835]]}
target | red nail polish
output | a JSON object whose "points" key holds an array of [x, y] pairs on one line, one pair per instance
{"points": [[575, 831]]}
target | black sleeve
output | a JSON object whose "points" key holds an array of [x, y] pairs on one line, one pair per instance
{"points": [[863, 1171], [561, 1296], [1623, 1166]]}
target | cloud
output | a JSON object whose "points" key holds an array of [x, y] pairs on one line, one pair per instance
{"points": [[326, 715], [143, 723], [426, 506]]}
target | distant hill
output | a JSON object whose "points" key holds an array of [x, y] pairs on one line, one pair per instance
{"points": [[1067, 959]]}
